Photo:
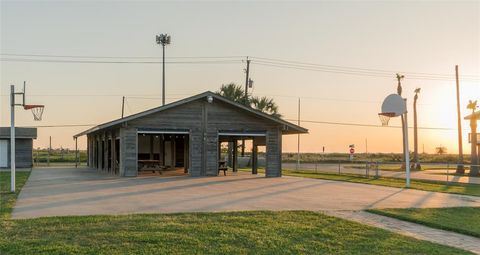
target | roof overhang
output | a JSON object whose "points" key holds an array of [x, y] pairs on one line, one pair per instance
{"points": [[20, 133], [288, 128]]}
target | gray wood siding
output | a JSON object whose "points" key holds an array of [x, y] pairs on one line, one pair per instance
{"points": [[22, 133], [184, 117], [274, 153], [23, 153], [203, 120], [225, 117], [128, 151]]}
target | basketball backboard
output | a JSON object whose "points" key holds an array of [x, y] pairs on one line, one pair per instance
{"points": [[394, 104]]}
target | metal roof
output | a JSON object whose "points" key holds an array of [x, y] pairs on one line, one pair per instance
{"points": [[289, 127], [20, 132]]}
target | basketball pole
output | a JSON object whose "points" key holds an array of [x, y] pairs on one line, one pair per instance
{"points": [[406, 152], [12, 138]]}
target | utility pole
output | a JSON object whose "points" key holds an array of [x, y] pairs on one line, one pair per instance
{"points": [[400, 77], [123, 106], [415, 131], [245, 99], [405, 146], [366, 148], [247, 78], [49, 150], [298, 138], [460, 168], [163, 39]]}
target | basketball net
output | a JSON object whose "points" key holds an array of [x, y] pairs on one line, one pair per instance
{"points": [[37, 111], [385, 117]]}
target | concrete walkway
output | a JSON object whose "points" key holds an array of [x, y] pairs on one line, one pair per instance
{"points": [[418, 231], [70, 191]]}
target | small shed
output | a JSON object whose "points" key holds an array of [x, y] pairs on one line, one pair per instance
{"points": [[188, 134], [23, 146]]}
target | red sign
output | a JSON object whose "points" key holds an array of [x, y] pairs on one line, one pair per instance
{"points": [[352, 150]]}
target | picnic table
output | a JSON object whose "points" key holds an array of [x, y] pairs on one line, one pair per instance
{"points": [[150, 165], [222, 166]]}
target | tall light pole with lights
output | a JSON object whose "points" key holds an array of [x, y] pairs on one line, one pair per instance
{"points": [[163, 39]]}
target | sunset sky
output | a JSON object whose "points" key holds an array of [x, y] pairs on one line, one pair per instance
{"points": [[426, 37]]}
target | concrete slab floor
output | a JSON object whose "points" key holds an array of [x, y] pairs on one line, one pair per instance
{"points": [[83, 191]]}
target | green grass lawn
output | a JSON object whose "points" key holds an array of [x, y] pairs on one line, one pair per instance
{"points": [[456, 188], [7, 199], [259, 232], [465, 220]]}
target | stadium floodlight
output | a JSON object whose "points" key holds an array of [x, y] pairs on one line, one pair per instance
{"points": [[163, 39]]}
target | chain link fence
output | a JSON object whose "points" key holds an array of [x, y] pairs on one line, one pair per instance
{"points": [[443, 172]]}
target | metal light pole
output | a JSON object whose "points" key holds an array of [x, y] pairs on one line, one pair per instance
{"points": [[12, 138], [12, 131], [163, 39]]}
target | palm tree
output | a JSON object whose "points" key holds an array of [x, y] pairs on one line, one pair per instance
{"points": [[233, 92], [236, 93], [441, 150], [415, 131], [266, 105]]}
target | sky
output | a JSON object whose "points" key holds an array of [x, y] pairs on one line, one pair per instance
{"points": [[428, 37]]}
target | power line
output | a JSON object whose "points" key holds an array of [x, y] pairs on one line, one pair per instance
{"points": [[389, 72], [369, 74], [84, 95], [264, 61], [116, 57], [60, 125], [292, 120], [365, 125], [116, 62], [329, 99]]}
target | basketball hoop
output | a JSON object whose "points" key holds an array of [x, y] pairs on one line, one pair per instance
{"points": [[37, 110], [385, 117]]}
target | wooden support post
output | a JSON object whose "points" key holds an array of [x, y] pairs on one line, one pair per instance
{"points": [[254, 157], [162, 150], [113, 157], [151, 147], [186, 155], [230, 153], [76, 152], [173, 150], [219, 150], [235, 156], [112, 154]]}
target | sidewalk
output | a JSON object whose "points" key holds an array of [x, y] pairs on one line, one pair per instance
{"points": [[417, 231]]}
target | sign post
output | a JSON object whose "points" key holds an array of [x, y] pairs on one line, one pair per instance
{"points": [[352, 151]]}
